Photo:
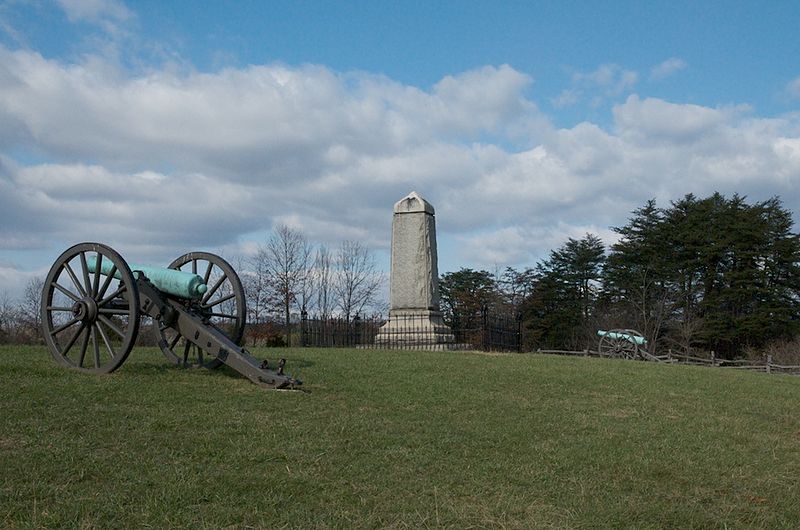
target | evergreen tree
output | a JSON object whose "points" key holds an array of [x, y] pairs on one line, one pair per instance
{"points": [[714, 273], [463, 294], [636, 276], [562, 304]]}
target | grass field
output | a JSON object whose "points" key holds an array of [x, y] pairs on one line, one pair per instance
{"points": [[399, 440]]}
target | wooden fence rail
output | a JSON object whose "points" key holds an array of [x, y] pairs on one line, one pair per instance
{"points": [[767, 365]]}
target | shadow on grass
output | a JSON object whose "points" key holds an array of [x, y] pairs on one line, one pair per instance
{"points": [[152, 368]]}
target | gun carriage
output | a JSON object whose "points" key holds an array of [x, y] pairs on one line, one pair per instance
{"points": [[624, 343], [92, 302]]}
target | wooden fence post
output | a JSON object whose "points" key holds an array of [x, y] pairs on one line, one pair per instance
{"points": [[769, 364]]}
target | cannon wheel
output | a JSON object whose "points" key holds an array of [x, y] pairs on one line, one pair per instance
{"points": [[222, 306], [619, 347], [89, 320]]}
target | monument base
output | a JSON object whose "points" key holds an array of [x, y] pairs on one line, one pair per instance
{"points": [[415, 328]]}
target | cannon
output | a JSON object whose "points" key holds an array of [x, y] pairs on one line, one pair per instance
{"points": [[92, 301], [625, 343]]}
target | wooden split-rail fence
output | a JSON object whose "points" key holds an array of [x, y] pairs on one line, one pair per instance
{"points": [[764, 365]]}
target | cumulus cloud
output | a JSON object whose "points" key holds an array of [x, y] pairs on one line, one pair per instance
{"points": [[656, 120], [254, 123], [50, 203], [667, 68], [165, 162], [607, 81]]}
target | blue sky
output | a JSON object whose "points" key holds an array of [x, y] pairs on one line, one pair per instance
{"points": [[738, 51], [198, 125]]}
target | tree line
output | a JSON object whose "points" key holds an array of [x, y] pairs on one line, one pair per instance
{"points": [[20, 319], [713, 274], [288, 276], [285, 277]]}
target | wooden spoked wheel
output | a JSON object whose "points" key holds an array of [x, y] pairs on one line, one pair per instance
{"points": [[616, 344], [222, 307], [90, 319]]}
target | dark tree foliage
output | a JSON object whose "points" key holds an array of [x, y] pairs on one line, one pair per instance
{"points": [[636, 291], [561, 306], [514, 290], [715, 274], [463, 294]]}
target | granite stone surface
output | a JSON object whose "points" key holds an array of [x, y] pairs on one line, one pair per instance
{"points": [[414, 316]]}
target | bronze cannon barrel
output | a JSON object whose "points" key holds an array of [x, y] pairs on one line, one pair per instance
{"points": [[174, 282]]}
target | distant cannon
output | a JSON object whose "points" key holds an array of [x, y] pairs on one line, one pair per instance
{"points": [[92, 301], [625, 343]]}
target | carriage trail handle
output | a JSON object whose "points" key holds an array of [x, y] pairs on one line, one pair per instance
{"points": [[193, 328]]}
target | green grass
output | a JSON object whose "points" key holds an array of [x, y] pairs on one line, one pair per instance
{"points": [[399, 440]]}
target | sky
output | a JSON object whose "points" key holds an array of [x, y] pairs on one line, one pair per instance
{"points": [[166, 127]]}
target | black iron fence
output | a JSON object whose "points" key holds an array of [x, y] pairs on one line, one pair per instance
{"points": [[480, 331]]}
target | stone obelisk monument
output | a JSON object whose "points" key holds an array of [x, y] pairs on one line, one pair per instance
{"points": [[414, 316]]}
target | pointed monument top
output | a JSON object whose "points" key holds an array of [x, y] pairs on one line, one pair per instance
{"points": [[413, 203]]}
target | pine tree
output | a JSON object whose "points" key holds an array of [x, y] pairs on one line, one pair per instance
{"points": [[715, 273], [562, 305]]}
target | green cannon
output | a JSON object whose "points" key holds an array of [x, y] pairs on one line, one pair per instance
{"points": [[170, 281], [92, 301], [626, 343]]}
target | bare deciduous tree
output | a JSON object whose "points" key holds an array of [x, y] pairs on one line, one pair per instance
{"points": [[258, 289], [8, 317], [259, 292], [286, 257], [652, 306], [357, 278], [31, 304]]}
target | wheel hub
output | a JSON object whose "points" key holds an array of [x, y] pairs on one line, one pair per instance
{"points": [[86, 310]]}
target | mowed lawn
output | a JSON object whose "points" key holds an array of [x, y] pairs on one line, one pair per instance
{"points": [[398, 440]]}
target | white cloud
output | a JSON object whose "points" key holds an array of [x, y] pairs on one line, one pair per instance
{"points": [[793, 88], [95, 10], [656, 120], [611, 78], [667, 68], [255, 123], [608, 81], [13, 280], [567, 97], [168, 162]]}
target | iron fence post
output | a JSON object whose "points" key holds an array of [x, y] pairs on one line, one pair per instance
{"points": [[356, 329]]}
